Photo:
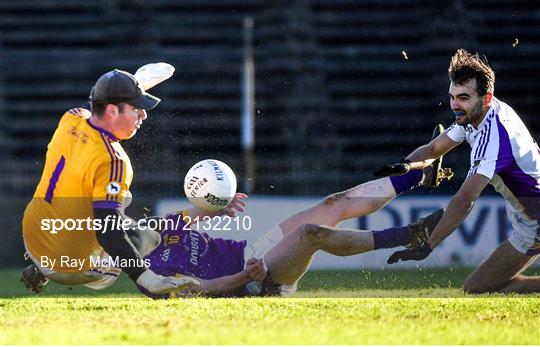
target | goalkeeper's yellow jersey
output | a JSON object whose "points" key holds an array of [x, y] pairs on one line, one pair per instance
{"points": [[85, 167]]}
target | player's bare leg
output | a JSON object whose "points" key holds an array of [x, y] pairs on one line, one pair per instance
{"points": [[368, 197], [501, 272], [290, 258], [355, 202]]}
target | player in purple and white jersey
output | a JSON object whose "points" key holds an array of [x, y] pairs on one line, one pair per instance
{"points": [[274, 263], [505, 155]]}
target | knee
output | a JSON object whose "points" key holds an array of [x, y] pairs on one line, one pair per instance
{"points": [[332, 199], [312, 233], [334, 204]]}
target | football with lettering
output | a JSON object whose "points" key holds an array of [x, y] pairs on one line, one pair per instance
{"points": [[210, 185]]}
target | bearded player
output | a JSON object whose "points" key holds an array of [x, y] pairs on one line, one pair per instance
{"points": [[503, 154]]}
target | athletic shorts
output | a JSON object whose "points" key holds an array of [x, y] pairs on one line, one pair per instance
{"points": [[95, 278], [259, 249], [525, 237]]}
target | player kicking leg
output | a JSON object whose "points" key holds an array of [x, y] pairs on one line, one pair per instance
{"points": [[290, 258], [369, 197]]}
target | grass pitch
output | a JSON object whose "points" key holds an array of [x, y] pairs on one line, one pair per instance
{"points": [[360, 307]]}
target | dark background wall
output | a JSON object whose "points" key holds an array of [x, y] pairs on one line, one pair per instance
{"points": [[341, 86]]}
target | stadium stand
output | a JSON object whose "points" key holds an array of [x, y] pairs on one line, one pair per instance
{"points": [[341, 86]]}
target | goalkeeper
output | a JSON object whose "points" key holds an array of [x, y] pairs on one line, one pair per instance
{"points": [[87, 174]]}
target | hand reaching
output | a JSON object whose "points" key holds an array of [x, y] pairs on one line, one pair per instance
{"points": [[236, 205], [396, 169], [418, 253], [255, 269]]}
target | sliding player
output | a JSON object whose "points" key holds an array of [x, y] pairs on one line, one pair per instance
{"points": [[278, 259]]}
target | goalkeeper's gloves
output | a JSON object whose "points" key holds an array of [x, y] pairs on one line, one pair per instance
{"points": [[417, 253], [157, 284], [397, 169]]}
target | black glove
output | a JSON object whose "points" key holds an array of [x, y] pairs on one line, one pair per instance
{"points": [[418, 253], [397, 169]]}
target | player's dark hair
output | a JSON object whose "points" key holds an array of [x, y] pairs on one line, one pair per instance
{"points": [[465, 66], [99, 108]]}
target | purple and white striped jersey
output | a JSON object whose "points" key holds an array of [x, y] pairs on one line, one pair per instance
{"points": [[504, 151]]}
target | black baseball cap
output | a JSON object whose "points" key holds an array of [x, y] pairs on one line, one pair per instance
{"points": [[120, 86]]}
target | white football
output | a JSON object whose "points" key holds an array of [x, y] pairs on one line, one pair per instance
{"points": [[210, 185]]}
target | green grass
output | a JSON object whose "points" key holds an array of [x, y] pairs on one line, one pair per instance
{"points": [[356, 307]]}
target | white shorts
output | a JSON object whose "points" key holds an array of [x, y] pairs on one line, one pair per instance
{"points": [[259, 249], [95, 278], [525, 237]]}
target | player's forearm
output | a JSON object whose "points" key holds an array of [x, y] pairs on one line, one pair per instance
{"points": [[222, 285], [421, 157], [456, 212], [117, 244], [459, 208], [424, 155]]}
